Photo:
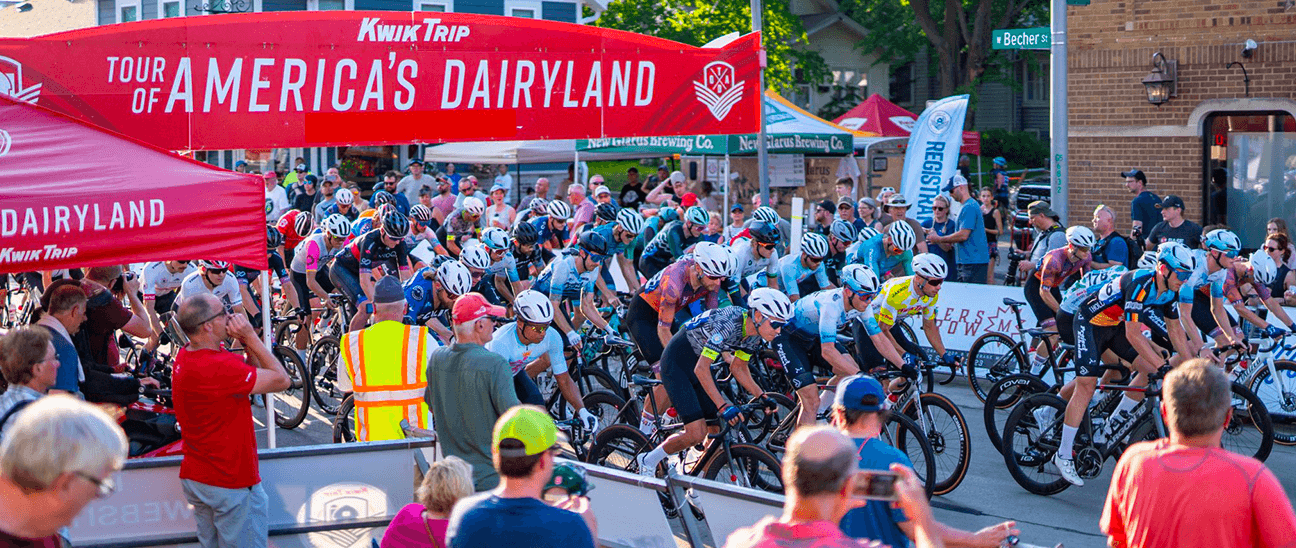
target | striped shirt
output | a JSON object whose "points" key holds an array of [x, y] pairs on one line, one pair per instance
{"points": [[720, 330]]}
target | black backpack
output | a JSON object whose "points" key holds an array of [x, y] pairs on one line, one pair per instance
{"points": [[1133, 248]]}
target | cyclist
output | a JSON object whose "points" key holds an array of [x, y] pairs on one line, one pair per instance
{"points": [[295, 225], [344, 205], [526, 253], [752, 255], [654, 224], [1110, 319], [352, 267], [770, 216], [810, 341], [431, 294], [795, 271], [686, 365], [312, 257], [1043, 289], [1258, 272], [212, 278], [465, 226], [650, 317], [670, 243], [886, 252], [502, 274], [247, 276], [1213, 263], [421, 220], [531, 345], [841, 235], [903, 297], [161, 285], [552, 228], [574, 277], [477, 258], [623, 233]]}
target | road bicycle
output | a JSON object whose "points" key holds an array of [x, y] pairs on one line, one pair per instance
{"points": [[996, 355], [940, 422], [1273, 381], [325, 356]]}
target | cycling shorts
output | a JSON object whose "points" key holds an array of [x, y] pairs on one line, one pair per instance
{"points": [[1204, 320], [527, 391], [347, 284], [303, 290], [1092, 340], [801, 357], [1066, 327], [867, 355], [681, 381], [164, 302], [641, 323], [1041, 310]]}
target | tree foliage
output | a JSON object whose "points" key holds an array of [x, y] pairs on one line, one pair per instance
{"points": [[696, 22]]}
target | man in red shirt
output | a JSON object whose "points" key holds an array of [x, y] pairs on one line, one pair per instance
{"points": [[211, 386], [1187, 491]]}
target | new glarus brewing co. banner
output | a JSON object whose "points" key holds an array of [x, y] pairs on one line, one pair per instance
{"points": [[355, 78]]}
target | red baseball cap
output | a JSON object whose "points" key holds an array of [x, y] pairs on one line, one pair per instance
{"points": [[472, 307], [689, 200]]}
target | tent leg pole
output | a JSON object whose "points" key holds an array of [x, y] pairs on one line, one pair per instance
{"points": [[981, 174], [727, 183], [265, 337]]}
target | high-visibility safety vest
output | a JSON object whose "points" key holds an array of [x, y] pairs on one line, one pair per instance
{"points": [[387, 364]]}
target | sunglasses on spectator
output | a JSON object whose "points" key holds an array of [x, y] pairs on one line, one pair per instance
{"points": [[1274, 249], [938, 208]]}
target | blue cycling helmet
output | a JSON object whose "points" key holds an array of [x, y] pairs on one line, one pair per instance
{"points": [[1223, 240], [1000, 161], [668, 214], [698, 216]]}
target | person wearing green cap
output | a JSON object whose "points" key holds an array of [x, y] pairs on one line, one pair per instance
{"points": [[524, 445]]}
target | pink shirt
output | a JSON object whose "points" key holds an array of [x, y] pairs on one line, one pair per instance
{"points": [[1168, 496], [410, 530], [768, 533]]}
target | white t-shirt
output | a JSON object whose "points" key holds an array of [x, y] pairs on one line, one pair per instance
{"points": [[159, 280], [227, 291], [276, 203], [409, 186]]}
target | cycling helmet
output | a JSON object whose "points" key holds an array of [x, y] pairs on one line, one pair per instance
{"points": [[631, 221], [475, 256], [454, 277], [1080, 236], [815, 245], [533, 306], [595, 243], [930, 265], [697, 215], [1223, 240], [381, 198], [337, 226], [303, 224], [866, 233], [1148, 260], [474, 206], [274, 238], [860, 279], [538, 206], [381, 212], [843, 231], [713, 258], [902, 235], [668, 214], [559, 209], [767, 214], [1177, 256], [764, 232], [361, 226], [344, 196], [771, 303], [607, 211], [421, 213], [1263, 267], [395, 225], [495, 238], [214, 265], [525, 234]]}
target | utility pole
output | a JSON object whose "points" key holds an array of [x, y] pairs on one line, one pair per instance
{"points": [[762, 151], [1058, 154]]}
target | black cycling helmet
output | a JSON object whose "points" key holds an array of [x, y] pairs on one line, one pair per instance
{"points": [[607, 212], [525, 234], [764, 232], [382, 197], [593, 242], [395, 225], [274, 238]]}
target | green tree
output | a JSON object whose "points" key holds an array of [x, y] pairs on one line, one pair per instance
{"points": [[696, 22]]}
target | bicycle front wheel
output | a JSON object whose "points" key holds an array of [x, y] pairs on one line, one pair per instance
{"points": [[904, 434], [992, 357], [1000, 400], [616, 447], [746, 466], [1249, 432], [326, 364], [291, 404], [1278, 394], [947, 431], [344, 422], [1028, 447]]}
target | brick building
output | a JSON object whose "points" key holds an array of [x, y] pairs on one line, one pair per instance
{"points": [[1211, 126]]}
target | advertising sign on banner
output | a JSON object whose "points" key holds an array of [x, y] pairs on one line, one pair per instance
{"points": [[371, 78], [932, 155], [967, 311], [786, 170]]}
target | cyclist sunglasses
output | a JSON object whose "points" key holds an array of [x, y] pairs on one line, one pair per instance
{"points": [[777, 324], [1183, 275]]}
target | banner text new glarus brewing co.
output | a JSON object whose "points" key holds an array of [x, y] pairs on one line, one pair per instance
{"points": [[354, 78]]}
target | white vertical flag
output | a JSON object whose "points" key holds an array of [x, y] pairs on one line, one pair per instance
{"points": [[932, 156]]}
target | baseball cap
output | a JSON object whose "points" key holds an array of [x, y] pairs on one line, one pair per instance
{"points": [[1172, 201], [300, 167], [472, 307], [1135, 173], [827, 205], [677, 176], [425, 191], [414, 161], [736, 207], [527, 424], [846, 201], [1039, 207], [955, 180], [853, 389], [689, 199], [388, 291], [500, 186], [269, 175], [663, 167], [599, 190]]}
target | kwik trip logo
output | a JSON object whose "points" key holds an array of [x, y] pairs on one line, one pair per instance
{"points": [[11, 82], [718, 90]]}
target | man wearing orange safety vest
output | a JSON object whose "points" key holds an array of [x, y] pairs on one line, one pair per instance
{"points": [[386, 368]]}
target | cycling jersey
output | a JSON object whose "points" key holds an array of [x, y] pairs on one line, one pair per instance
{"points": [[507, 266], [1203, 280], [287, 226], [311, 253], [897, 299], [458, 230], [752, 265], [720, 330], [822, 314], [505, 342], [158, 280], [368, 251], [608, 231], [1236, 277], [561, 280], [420, 295], [792, 272], [1058, 266], [351, 213], [555, 238], [871, 253], [1085, 286], [671, 288], [669, 243], [1125, 299], [525, 262], [246, 275], [414, 239], [227, 291]]}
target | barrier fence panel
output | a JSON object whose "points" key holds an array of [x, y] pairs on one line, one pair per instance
{"points": [[728, 508], [628, 509]]}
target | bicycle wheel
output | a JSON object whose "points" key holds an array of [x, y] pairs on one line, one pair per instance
{"points": [[344, 422], [1028, 448], [915, 445], [750, 466], [285, 332], [1249, 432], [325, 365], [763, 421], [947, 431], [602, 404], [1279, 398], [291, 404], [776, 442], [593, 379], [992, 357], [1002, 397], [616, 447]]}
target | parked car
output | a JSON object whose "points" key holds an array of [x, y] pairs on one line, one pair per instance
{"points": [[1029, 191]]}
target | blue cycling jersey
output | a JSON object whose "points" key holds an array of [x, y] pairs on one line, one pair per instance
{"points": [[608, 231], [1085, 286], [1202, 277], [420, 295], [561, 280], [505, 342], [547, 233], [792, 272], [870, 253], [822, 313]]}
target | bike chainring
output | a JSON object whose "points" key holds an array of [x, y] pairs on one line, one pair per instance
{"points": [[1089, 463]]}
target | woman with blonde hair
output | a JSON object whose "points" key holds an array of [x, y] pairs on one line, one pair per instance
{"points": [[423, 524]]}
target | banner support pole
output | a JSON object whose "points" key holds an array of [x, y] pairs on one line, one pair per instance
{"points": [[1058, 125], [265, 337], [762, 150]]}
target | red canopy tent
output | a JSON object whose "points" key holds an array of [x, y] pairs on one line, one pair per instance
{"points": [[882, 117], [75, 195]]}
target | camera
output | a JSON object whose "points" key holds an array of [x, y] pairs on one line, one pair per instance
{"points": [[875, 485]]}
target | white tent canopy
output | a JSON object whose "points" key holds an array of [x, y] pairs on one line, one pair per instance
{"points": [[518, 152]]}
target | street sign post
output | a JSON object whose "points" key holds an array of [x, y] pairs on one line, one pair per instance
{"points": [[1032, 38]]}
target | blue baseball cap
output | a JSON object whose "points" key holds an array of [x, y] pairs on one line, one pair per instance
{"points": [[852, 390]]}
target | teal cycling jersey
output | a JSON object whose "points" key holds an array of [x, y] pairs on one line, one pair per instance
{"points": [[561, 280], [792, 272], [822, 314], [1085, 286], [608, 231], [1202, 279], [870, 253], [505, 342]]}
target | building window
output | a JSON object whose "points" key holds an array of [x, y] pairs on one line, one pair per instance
{"points": [[330, 5], [529, 10], [171, 9], [1035, 77], [435, 6], [902, 84], [128, 11], [1250, 163]]}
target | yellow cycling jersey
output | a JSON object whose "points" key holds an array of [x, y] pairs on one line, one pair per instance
{"points": [[897, 300]]}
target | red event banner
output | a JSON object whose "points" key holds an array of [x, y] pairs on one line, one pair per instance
{"points": [[333, 78]]}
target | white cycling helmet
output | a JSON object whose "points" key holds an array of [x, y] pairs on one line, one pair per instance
{"points": [[1223, 240], [867, 233], [1080, 236], [559, 209], [474, 206], [533, 306], [815, 245], [454, 277], [714, 259], [421, 213], [495, 238], [303, 224], [630, 220], [860, 278], [337, 226], [1148, 260], [475, 256], [767, 214], [902, 235], [344, 196], [771, 303], [697, 215], [1177, 256], [930, 265], [1263, 268]]}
